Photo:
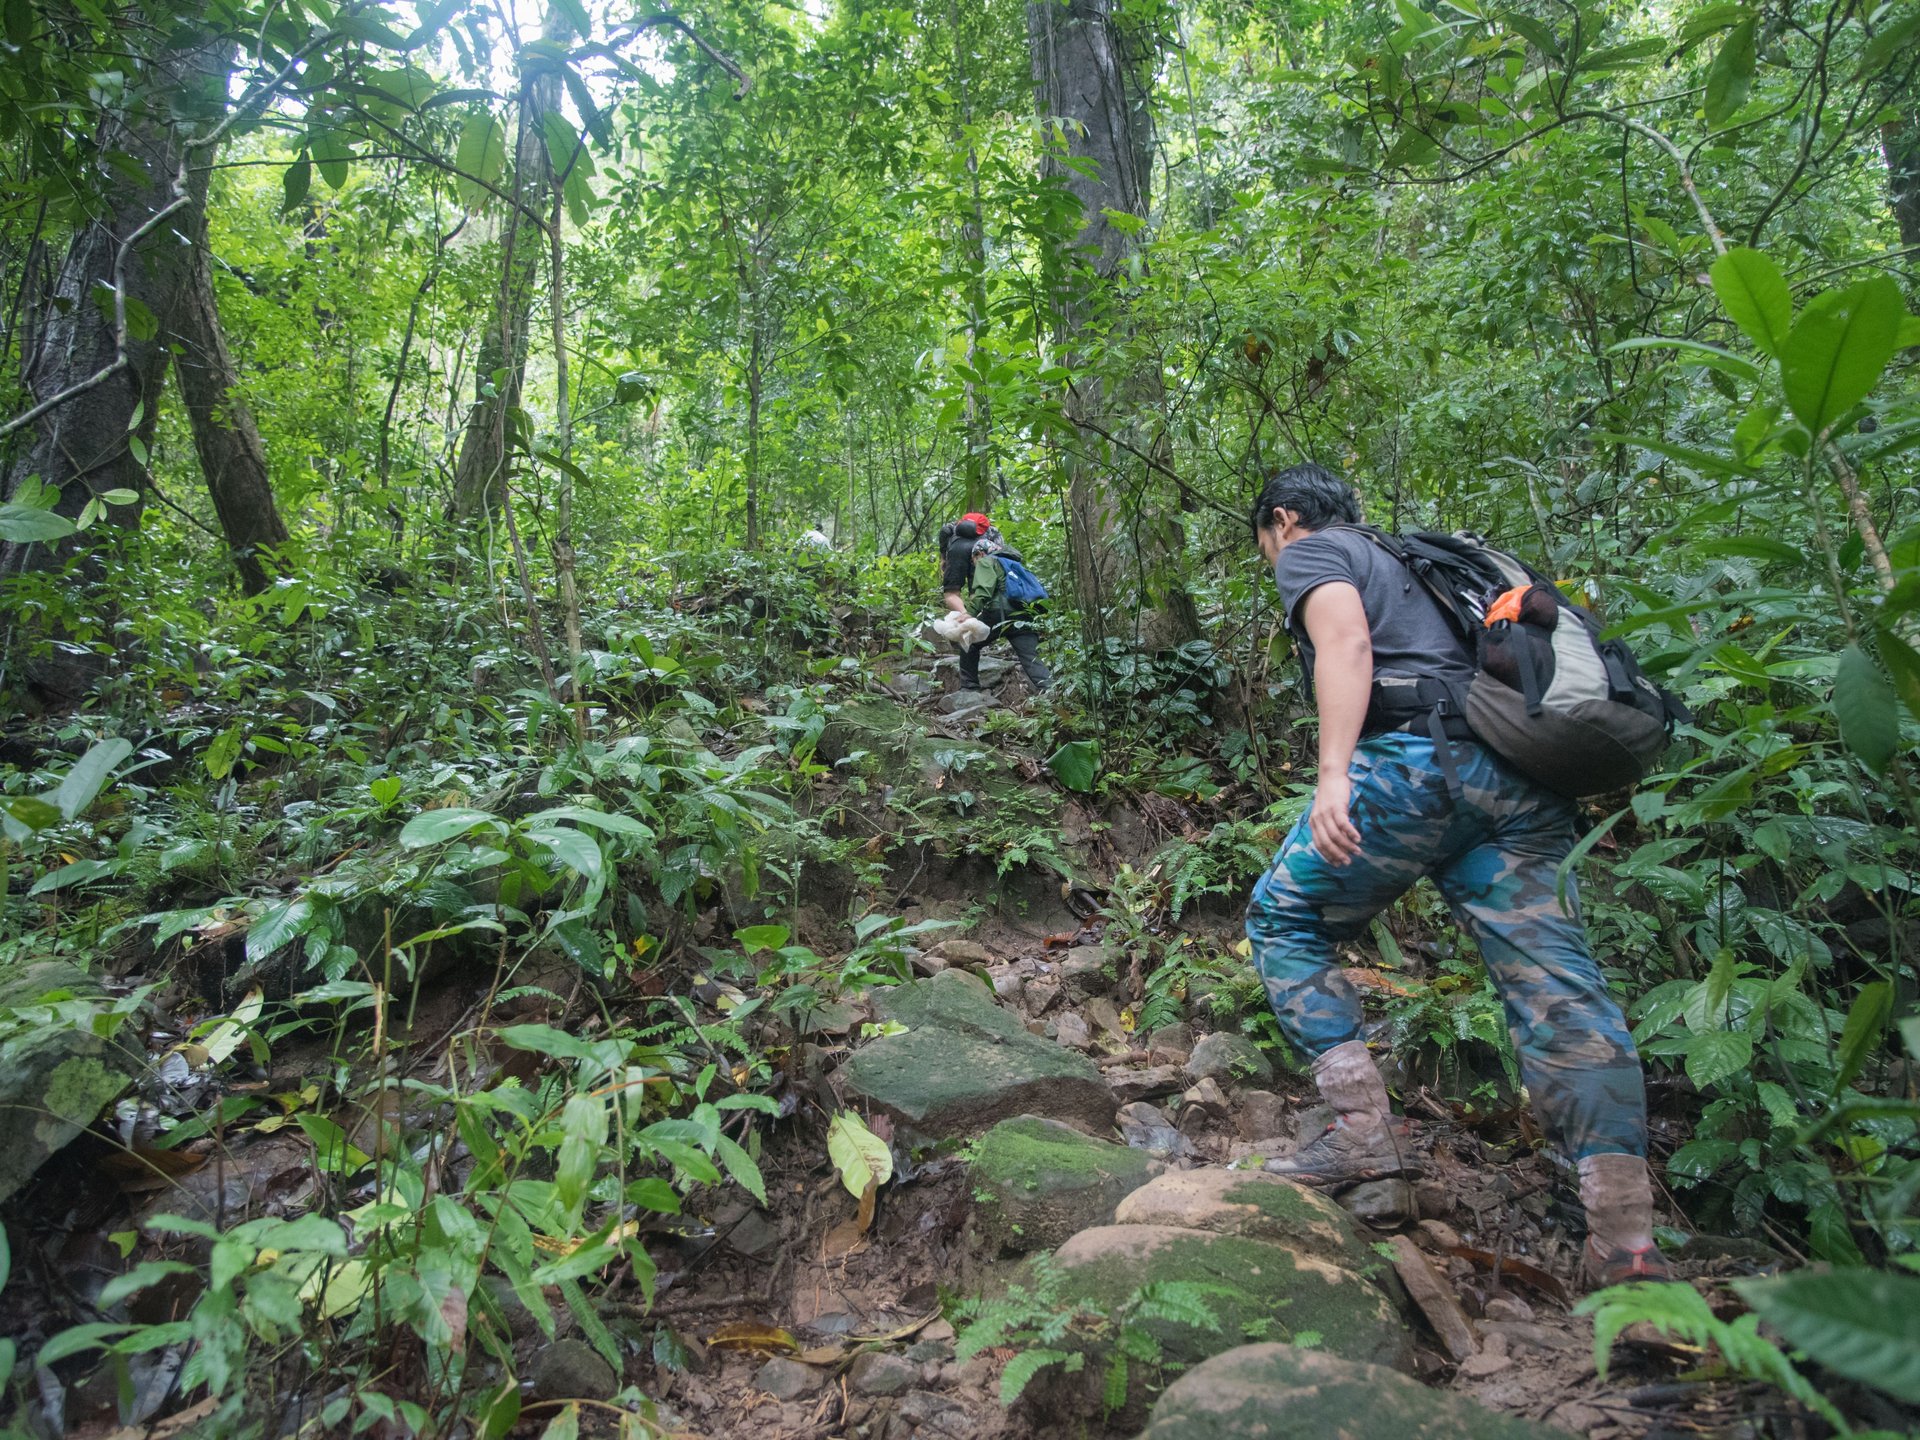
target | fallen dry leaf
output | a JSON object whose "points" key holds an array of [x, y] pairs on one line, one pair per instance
{"points": [[751, 1335], [143, 1168]]}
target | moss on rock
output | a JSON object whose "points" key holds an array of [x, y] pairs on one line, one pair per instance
{"points": [[965, 1063], [1283, 1392], [1253, 1205], [1037, 1182], [1259, 1291]]}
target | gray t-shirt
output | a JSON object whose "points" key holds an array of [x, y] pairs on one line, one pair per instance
{"points": [[1411, 635]]}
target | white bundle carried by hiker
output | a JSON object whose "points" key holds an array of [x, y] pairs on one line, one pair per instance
{"points": [[961, 629]]}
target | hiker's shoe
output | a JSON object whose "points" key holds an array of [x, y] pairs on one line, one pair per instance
{"points": [[1347, 1156], [1621, 1265]]}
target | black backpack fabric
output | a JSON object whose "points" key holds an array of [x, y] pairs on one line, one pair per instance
{"points": [[1572, 711]]}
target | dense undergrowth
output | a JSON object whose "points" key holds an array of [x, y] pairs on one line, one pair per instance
{"points": [[313, 802]]}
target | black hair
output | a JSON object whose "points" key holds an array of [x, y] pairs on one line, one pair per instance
{"points": [[1318, 496]]}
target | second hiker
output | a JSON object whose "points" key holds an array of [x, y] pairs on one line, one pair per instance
{"points": [[983, 576]]}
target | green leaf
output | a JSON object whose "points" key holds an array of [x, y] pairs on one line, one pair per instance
{"points": [[583, 1123], [565, 1425], [1903, 662], [481, 158], [1863, 1324], [296, 181], [1866, 1023], [1863, 701], [861, 1157], [1718, 1055], [222, 752], [1075, 763], [331, 154], [1731, 75], [1755, 295], [1837, 349], [756, 938], [89, 773], [577, 16], [27, 523], [434, 827], [1537, 31]]}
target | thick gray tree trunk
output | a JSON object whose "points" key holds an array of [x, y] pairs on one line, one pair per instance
{"points": [[232, 458], [83, 447], [1093, 75], [480, 472]]}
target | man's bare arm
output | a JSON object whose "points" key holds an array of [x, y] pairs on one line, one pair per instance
{"points": [[1336, 623]]}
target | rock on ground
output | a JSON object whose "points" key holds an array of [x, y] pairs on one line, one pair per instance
{"points": [[572, 1370], [1036, 1182], [965, 1063], [1228, 1057], [1252, 1205], [54, 1081], [1281, 1392], [1256, 1288]]}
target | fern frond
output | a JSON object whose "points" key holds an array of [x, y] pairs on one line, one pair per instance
{"points": [[1021, 1370], [1680, 1312], [1114, 1395]]}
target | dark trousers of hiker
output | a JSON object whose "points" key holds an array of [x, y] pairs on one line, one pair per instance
{"points": [[1025, 641]]}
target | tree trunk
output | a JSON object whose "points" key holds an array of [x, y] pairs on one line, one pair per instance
{"points": [[232, 458], [1092, 74], [97, 441], [479, 473], [1900, 143], [980, 467]]}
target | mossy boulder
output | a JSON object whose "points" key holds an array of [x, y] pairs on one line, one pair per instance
{"points": [[1037, 1182], [1282, 1392], [54, 1080], [1254, 1206], [1257, 1291], [965, 1063]]}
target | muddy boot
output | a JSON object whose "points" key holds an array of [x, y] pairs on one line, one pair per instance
{"points": [[1364, 1142], [1618, 1196]]}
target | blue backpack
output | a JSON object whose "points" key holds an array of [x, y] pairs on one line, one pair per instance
{"points": [[1023, 586]]}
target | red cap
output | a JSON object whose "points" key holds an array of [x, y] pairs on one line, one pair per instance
{"points": [[974, 517]]}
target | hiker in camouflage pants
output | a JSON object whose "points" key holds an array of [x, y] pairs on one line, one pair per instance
{"points": [[1494, 857], [1384, 815]]}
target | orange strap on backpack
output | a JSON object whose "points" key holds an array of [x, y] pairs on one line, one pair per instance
{"points": [[1507, 607]]}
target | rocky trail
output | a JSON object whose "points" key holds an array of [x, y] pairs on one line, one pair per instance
{"points": [[1075, 1212]]}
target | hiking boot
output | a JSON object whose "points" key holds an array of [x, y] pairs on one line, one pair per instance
{"points": [[1348, 1155], [1617, 1194], [1621, 1265]]}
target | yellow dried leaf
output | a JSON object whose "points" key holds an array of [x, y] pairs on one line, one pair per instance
{"points": [[751, 1335]]}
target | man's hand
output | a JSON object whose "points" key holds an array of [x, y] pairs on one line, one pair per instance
{"points": [[954, 602], [1334, 835]]}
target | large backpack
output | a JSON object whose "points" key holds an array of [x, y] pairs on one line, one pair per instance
{"points": [[1023, 587], [1569, 709]]}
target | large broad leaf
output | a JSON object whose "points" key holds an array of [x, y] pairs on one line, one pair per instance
{"points": [[22, 523], [88, 775], [861, 1157], [1754, 293], [480, 158], [1731, 75], [431, 827], [1718, 1055], [1837, 349], [1864, 1324], [1075, 763], [1863, 701], [1866, 1023]]}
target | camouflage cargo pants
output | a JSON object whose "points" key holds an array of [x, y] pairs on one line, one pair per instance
{"points": [[1493, 856]]}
